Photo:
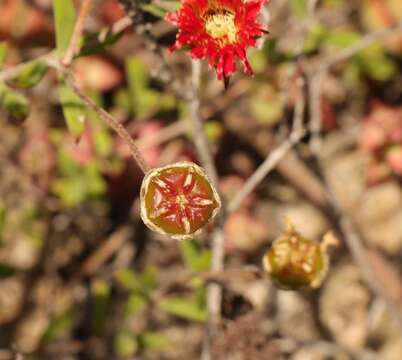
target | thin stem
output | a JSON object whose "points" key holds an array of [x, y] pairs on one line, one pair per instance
{"points": [[12, 72], [78, 29], [315, 123], [112, 122], [275, 156], [365, 41], [333, 210], [200, 138], [163, 135], [214, 291], [118, 27], [344, 225]]}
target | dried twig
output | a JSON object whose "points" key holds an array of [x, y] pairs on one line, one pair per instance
{"points": [[214, 291], [78, 29], [163, 72], [345, 226], [342, 222], [365, 41], [12, 72], [133, 9], [338, 218], [105, 251], [163, 135], [119, 26], [111, 121], [200, 138], [275, 156]]}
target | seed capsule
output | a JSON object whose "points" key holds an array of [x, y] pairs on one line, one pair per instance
{"points": [[294, 262], [178, 200]]}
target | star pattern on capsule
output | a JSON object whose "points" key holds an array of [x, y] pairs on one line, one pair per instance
{"points": [[179, 200]]}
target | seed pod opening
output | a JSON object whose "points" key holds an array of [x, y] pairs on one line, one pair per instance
{"points": [[294, 262], [178, 200]]}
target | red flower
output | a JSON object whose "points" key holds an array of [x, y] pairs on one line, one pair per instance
{"points": [[220, 30]]}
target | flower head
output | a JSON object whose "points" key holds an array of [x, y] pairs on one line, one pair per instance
{"points": [[178, 200], [220, 30]]}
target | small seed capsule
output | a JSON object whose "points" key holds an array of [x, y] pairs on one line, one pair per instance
{"points": [[294, 262], [178, 200]]}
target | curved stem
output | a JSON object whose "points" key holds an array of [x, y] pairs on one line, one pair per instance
{"points": [[78, 29], [112, 122]]}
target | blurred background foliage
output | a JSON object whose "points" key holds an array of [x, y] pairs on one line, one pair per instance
{"points": [[80, 275]]}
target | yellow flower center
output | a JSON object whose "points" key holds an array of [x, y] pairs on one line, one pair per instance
{"points": [[221, 26]]}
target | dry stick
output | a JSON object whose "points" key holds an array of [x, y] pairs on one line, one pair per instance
{"points": [[103, 114], [50, 59], [163, 72], [112, 122], [313, 189], [311, 6], [360, 45], [214, 291], [106, 250], [200, 138], [116, 28], [163, 135], [78, 28], [344, 225], [275, 156], [315, 123], [12, 72]]}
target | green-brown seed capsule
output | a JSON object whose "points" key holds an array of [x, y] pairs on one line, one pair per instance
{"points": [[178, 200], [294, 262]]}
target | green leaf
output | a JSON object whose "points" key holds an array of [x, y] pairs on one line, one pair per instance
{"points": [[64, 18], [31, 75], [59, 325], [193, 256], [298, 7], [92, 45], [77, 184], [273, 54], [14, 103], [143, 99], [154, 10], [148, 279], [257, 59], [121, 99], [341, 38], [134, 304], [334, 3], [185, 308], [70, 190], [315, 37], [267, 111], [101, 297], [73, 109], [129, 279], [143, 283], [214, 130], [3, 218], [6, 271], [154, 341], [125, 344], [376, 64], [103, 141], [3, 52]]}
